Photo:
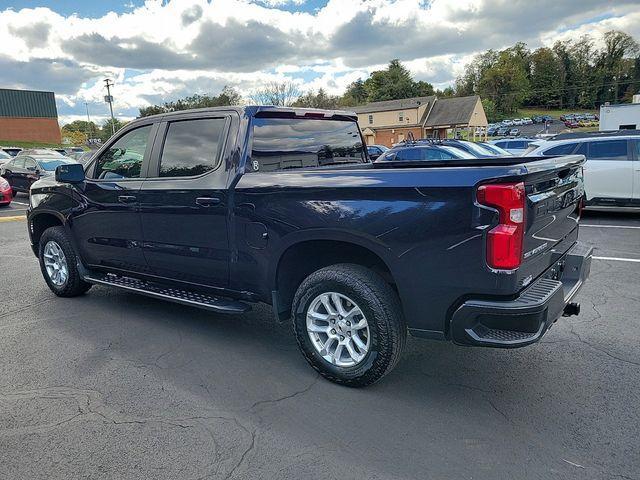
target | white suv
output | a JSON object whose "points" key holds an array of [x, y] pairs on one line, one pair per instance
{"points": [[612, 171]]}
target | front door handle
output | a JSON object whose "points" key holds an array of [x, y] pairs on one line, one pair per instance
{"points": [[126, 199], [207, 201]]}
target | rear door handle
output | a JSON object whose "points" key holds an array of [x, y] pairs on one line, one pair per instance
{"points": [[126, 199], [207, 201]]}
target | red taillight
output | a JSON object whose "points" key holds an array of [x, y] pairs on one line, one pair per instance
{"points": [[504, 242]]}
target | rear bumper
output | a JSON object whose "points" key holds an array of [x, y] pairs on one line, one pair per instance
{"points": [[524, 320]]}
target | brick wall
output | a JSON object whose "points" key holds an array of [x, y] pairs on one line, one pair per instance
{"points": [[45, 130], [386, 137]]}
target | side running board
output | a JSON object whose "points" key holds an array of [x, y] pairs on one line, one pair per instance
{"points": [[177, 295]]}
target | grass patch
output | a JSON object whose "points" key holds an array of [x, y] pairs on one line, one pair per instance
{"points": [[12, 143]]}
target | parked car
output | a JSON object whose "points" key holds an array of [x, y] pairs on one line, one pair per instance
{"points": [[6, 193], [492, 131], [496, 150], [571, 124], [13, 151], [476, 149], [515, 146], [83, 157], [507, 123], [514, 132], [23, 170], [4, 157], [351, 252], [41, 151], [610, 177], [423, 151], [502, 131], [375, 151], [527, 121]]}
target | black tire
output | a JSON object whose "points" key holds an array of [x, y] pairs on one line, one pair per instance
{"points": [[379, 304], [74, 285]]}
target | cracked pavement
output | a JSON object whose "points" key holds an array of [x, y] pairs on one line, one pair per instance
{"points": [[114, 385]]}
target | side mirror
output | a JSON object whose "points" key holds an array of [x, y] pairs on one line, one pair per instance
{"points": [[71, 173]]}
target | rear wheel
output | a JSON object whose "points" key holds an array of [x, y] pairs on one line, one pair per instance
{"points": [[58, 264], [348, 324]]}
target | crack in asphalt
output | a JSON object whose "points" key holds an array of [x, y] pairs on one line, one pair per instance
{"points": [[286, 397], [600, 349]]}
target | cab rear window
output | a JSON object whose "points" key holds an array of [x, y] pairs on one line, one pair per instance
{"points": [[290, 143]]}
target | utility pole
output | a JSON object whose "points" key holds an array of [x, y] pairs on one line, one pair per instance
{"points": [[109, 99], [86, 105]]}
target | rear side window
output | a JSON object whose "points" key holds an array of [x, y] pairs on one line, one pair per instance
{"points": [[608, 150], [502, 144], [289, 143], [564, 149], [192, 147]]}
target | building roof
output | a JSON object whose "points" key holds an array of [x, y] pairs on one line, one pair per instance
{"points": [[27, 103], [389, 105], [452, 111]]}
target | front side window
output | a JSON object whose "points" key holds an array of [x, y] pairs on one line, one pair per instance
{"points": [[124, 158], [18, 163], [289, 143], [608, 150], [192, 147]]}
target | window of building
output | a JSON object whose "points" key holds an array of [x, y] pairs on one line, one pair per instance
{"points": [[192, 147], [289, 143], [124, 158], [401, 117], [370, 119], [630, 126]]}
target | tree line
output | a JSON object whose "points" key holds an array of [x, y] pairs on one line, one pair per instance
{"points": [[572, 74]]}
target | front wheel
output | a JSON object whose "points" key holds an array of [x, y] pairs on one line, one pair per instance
{"points": [[59, 265], [349, 325]]}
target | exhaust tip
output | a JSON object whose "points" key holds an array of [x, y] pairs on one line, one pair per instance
{"points": [[570, 309]]}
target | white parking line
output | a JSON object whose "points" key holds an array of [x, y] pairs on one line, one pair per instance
{"points": [[609, 226], [20, 203], [618, 259]]}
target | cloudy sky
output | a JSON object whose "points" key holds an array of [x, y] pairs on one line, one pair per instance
{"points": [[163, 50]]}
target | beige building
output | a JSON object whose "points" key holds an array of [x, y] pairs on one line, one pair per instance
{"points": [[391, 121]]}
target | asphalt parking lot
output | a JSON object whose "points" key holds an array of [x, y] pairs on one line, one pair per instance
{"points": [[114, 385]]}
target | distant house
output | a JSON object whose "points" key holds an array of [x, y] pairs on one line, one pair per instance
{"points": [[28, 116], [389, 122]]}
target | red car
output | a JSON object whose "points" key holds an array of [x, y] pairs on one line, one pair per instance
{"points": [[571, 124], [6, 193]]}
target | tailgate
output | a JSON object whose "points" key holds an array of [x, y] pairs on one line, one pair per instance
{"points": [[554, 190]]}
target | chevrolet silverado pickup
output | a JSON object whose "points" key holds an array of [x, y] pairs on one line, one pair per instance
{"points": [[220, 208]]}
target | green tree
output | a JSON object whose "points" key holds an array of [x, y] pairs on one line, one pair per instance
{"points": [[391, 84], [356, 94], [546, 78], [320, 99], [228, 96]]}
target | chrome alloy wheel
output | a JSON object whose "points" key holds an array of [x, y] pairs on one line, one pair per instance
{"points": [[338, 329], [55, 263]]}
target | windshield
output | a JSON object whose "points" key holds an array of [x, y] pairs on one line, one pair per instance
{"points": [[457, 152], [50, 164], [496, 149]]}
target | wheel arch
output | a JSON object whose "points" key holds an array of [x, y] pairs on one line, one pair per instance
{"points": [[305, 253]]}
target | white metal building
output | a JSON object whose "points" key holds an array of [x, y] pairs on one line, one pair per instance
{"points": [[621, 117]]}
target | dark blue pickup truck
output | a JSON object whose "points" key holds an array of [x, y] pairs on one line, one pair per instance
{"points": [[219, 208]]}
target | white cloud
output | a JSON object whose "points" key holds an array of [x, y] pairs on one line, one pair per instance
{"points": [[163, 50]]}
